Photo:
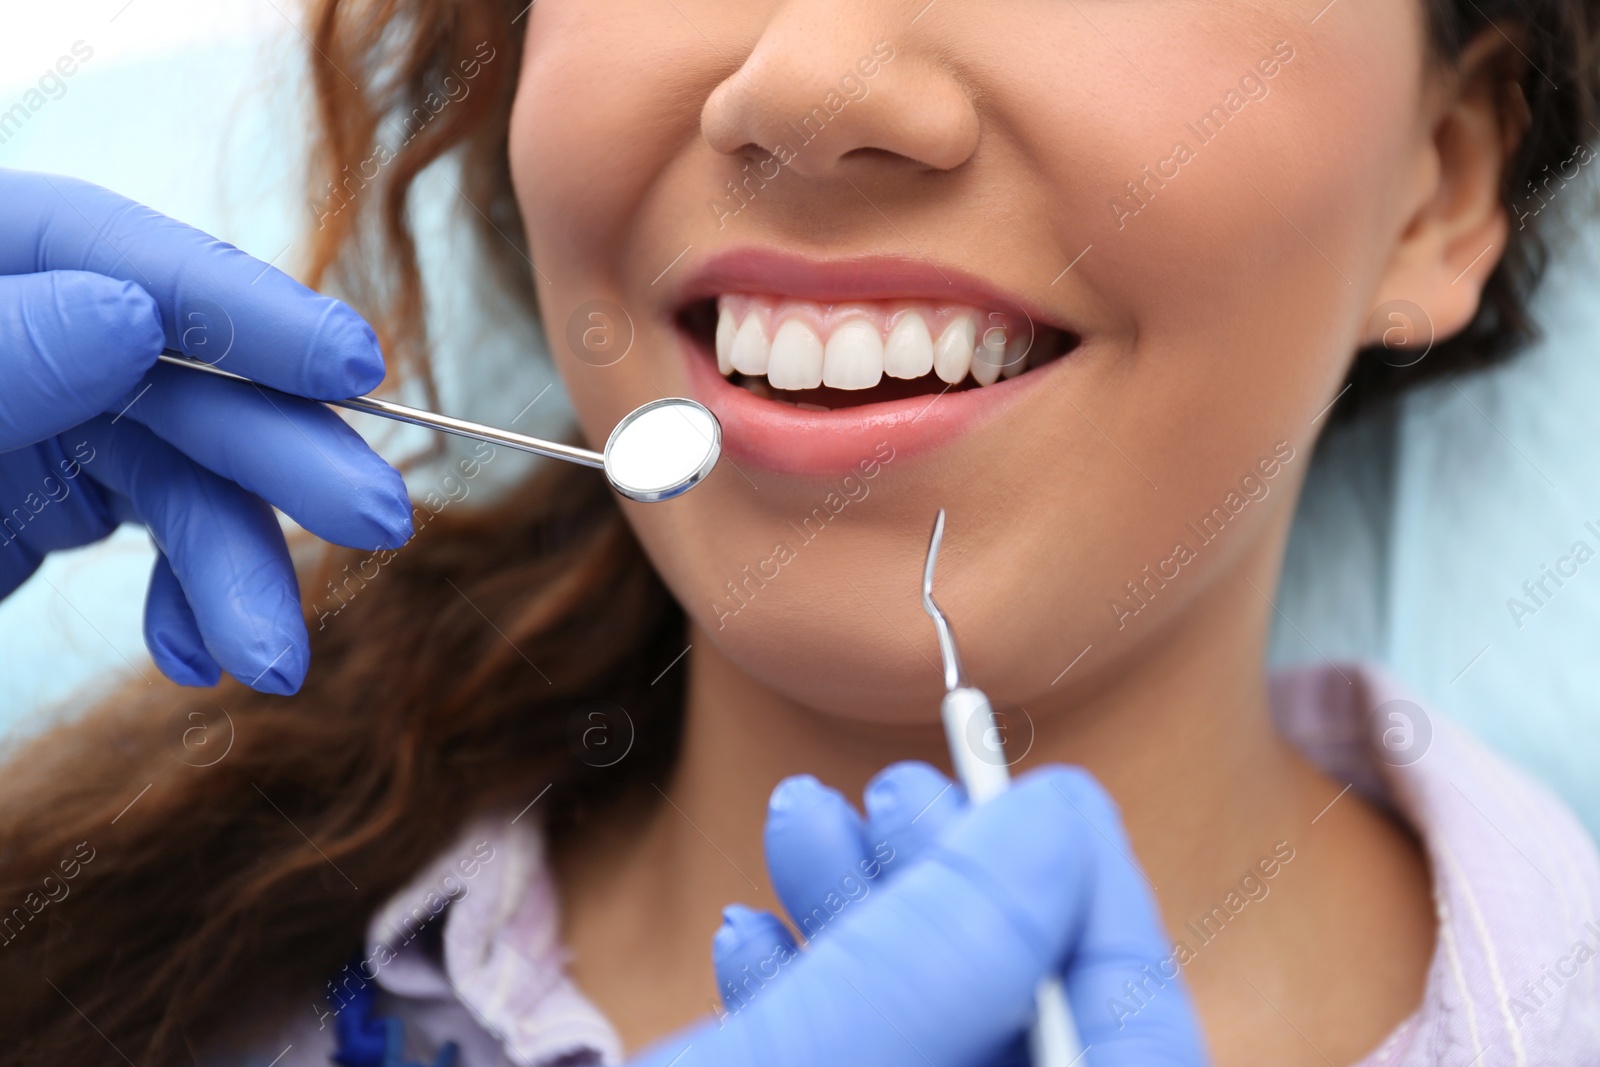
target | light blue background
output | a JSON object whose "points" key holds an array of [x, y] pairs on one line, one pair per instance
{"points": [[1414, 531]]}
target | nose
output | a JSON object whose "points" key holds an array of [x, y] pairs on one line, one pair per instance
{"points": [[825, 88]]}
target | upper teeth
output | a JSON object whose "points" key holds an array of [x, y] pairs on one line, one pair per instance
{"points": [[749, 348], [909, 351], [799, 345], [853, 358], [952, 352], [797, 359]]}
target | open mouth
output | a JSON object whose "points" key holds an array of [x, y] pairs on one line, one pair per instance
{"points": [[826, 356]]}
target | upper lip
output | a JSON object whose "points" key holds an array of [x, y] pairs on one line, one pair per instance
{"points": [[844, 279]]}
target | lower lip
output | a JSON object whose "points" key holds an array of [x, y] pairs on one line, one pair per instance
{"points": [[792, 440]]}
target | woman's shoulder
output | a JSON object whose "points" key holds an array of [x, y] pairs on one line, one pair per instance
{"points": [[466, 954], [1516, 877]]}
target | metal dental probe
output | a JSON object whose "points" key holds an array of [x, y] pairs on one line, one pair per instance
{"points": [[967, 715]]}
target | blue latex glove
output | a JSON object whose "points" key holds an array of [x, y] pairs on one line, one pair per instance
{"points": [[930, 925], [93, 432]]}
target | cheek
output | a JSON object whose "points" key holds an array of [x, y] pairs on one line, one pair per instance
{"points": [[1240, 240], [1241, 280], [1199, 209], [605, 100]]}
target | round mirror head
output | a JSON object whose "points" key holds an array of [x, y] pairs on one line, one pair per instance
{"points": [[662, 448]]}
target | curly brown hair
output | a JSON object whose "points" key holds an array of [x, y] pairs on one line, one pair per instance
{"points": [[256, 872]]}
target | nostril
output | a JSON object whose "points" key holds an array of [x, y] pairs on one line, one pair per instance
{"points": [[876, 155], [814, 100]]}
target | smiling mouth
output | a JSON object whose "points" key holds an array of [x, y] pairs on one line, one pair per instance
{"points": [[825, 356]]}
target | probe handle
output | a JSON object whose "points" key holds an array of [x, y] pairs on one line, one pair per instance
{"points": [[977, 748]]}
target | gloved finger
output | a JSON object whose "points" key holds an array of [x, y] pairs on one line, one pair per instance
{"points": [[171, 633], [939, 967], [226, 549], [216, 302], [295, 454], [1152, 1021], [909, 806], [817, 854], [748, 951], [46, 504], [70, 344]]}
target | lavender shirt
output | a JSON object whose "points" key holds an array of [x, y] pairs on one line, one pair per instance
{"points": [[1514, 981]]}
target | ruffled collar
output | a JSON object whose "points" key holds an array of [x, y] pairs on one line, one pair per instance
{"points": [[480, 926]]}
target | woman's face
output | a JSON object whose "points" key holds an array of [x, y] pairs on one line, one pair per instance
{"points": [[1173, 217]]}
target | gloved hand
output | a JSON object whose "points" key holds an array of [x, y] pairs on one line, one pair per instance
{"points": [[931, 924], [93, 432]]}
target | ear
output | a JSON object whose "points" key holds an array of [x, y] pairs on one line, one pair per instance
{"points": [[1457, 233]]}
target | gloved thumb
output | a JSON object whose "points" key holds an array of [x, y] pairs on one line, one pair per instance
{"points": [[937, 969]]}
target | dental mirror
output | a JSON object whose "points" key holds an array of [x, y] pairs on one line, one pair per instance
{"points": [[658, 451], [662, 448]]}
